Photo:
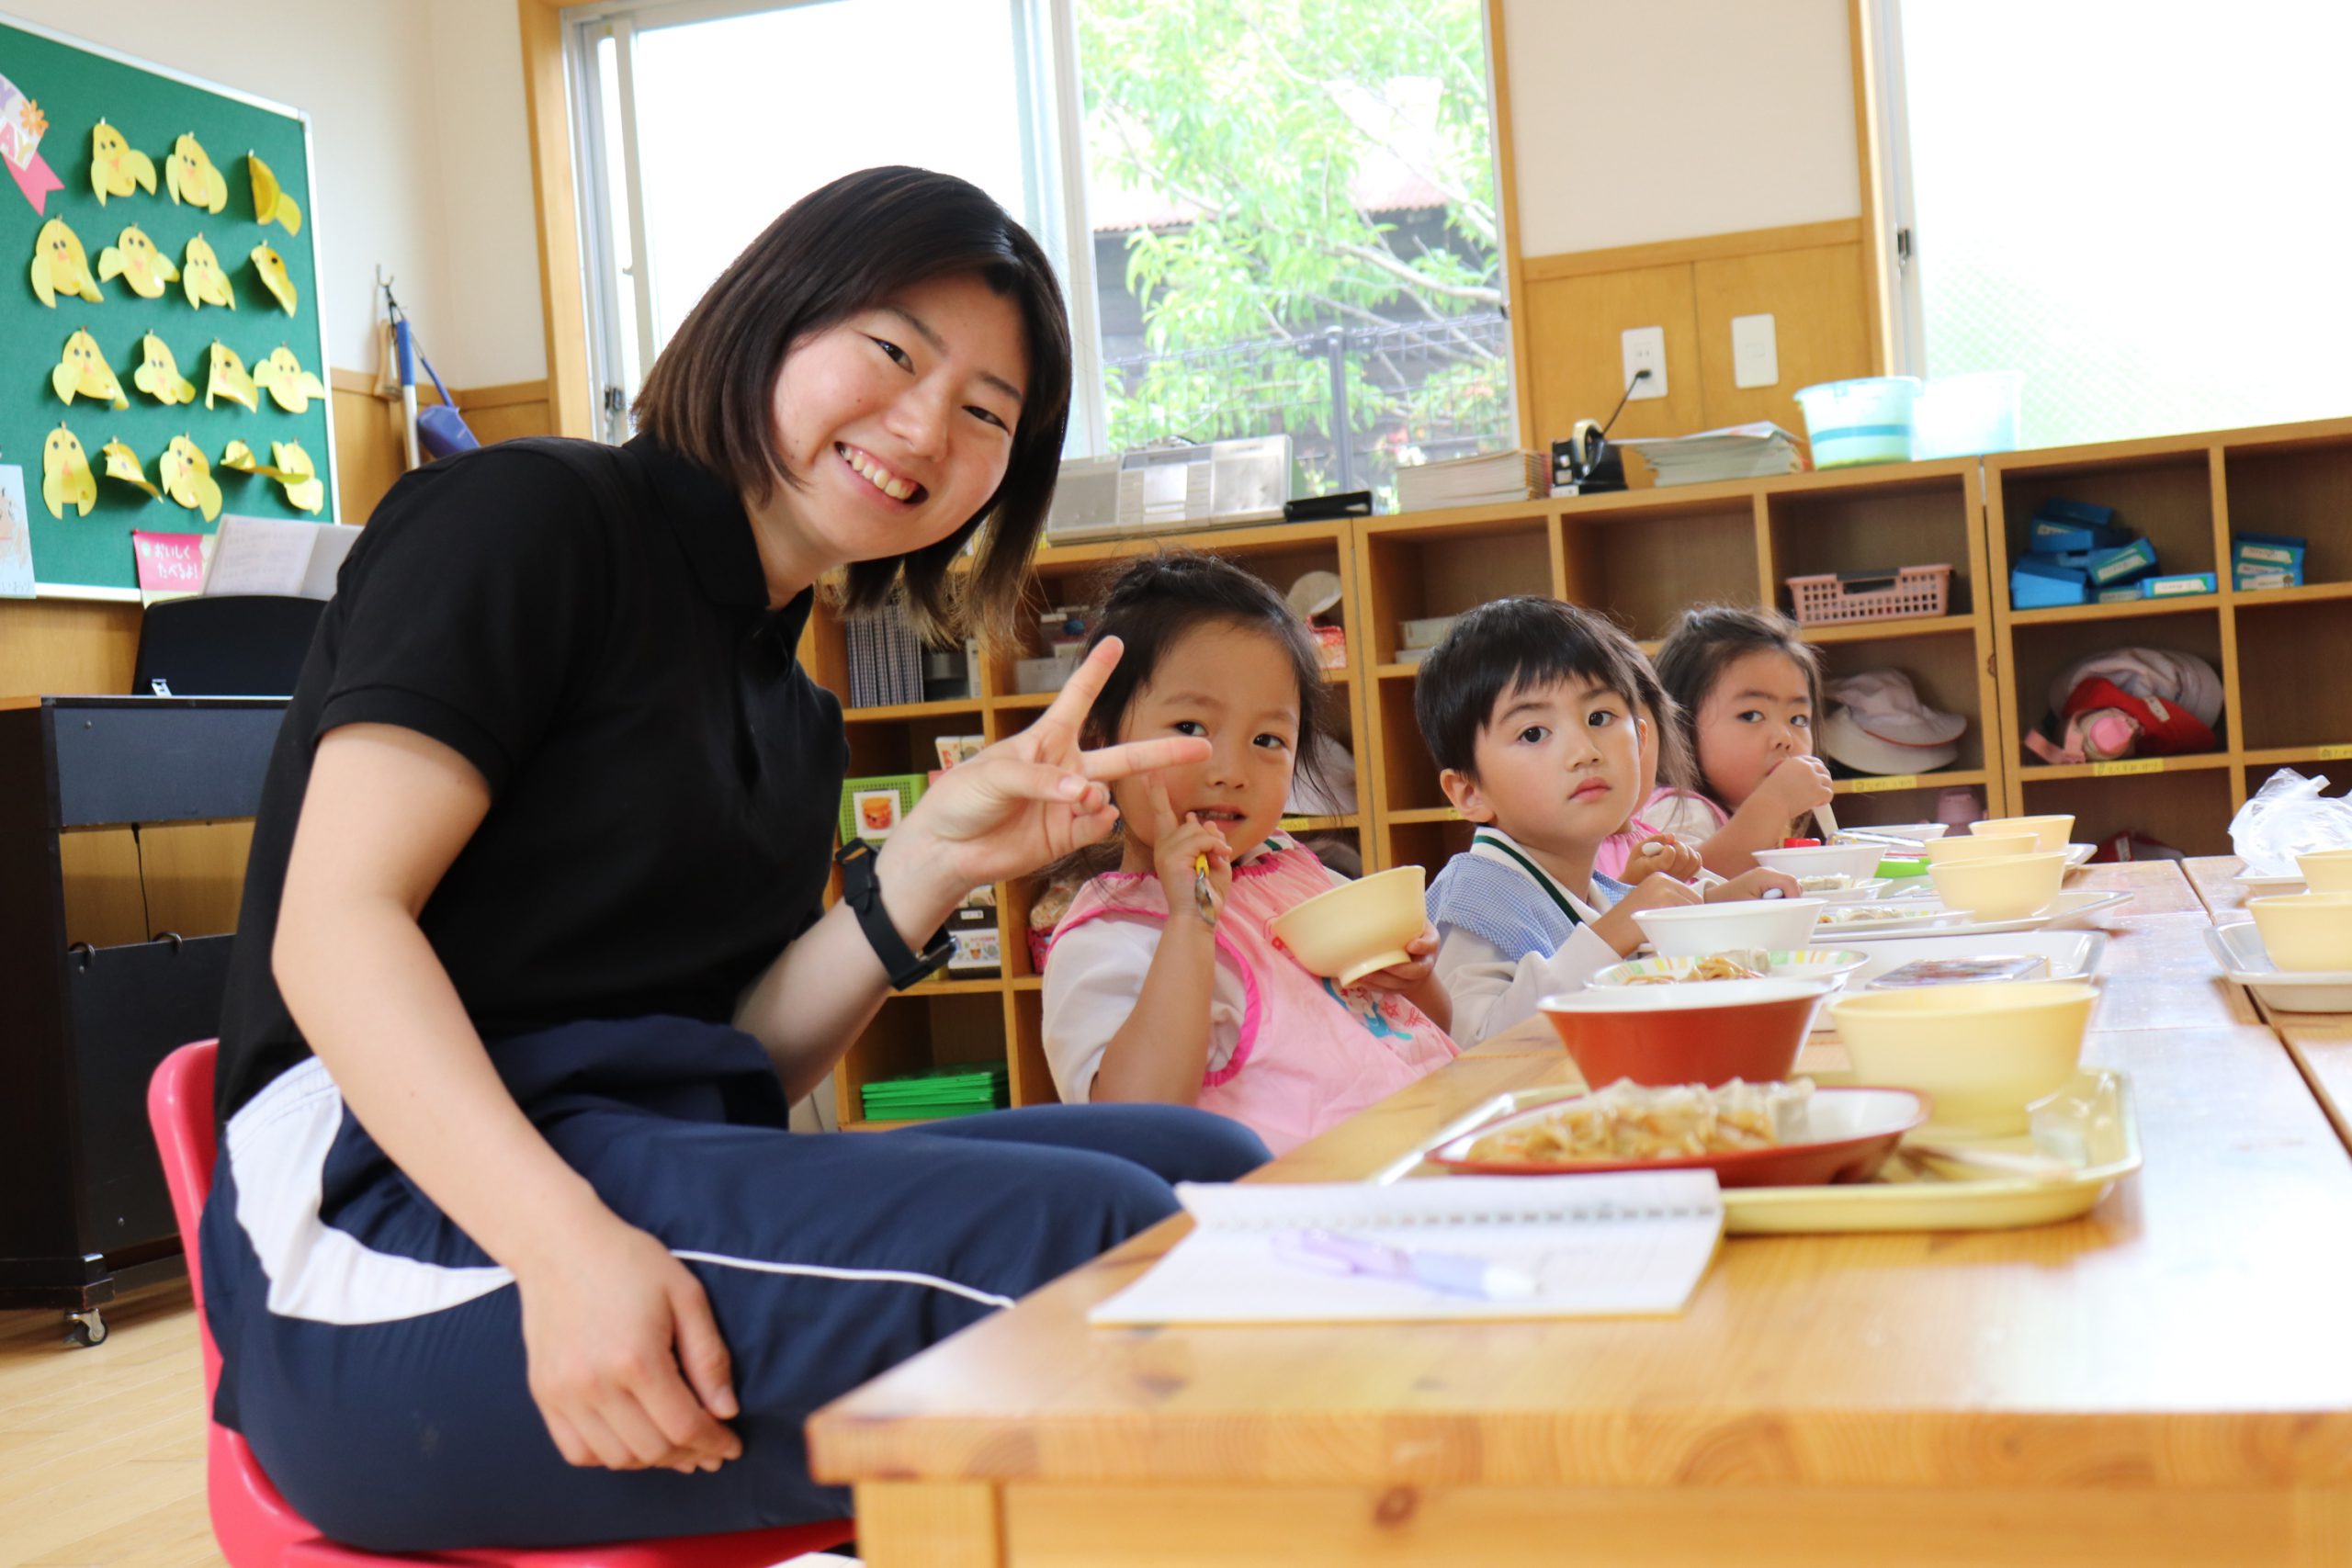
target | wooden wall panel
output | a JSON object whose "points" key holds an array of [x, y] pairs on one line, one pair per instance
{"points": [[1576, 368], [1815, 299], [1810, 278]]}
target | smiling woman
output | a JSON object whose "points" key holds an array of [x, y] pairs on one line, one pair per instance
{"points": [[534, 951]]}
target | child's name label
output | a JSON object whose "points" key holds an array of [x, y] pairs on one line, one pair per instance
{"points": [[2122, 770], [1878, 785], [2335, 753]]}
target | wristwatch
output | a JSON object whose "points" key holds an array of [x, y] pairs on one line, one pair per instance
{"points": [[862, 891]]}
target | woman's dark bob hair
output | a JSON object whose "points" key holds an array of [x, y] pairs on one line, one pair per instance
{"points": [[844, 248]]}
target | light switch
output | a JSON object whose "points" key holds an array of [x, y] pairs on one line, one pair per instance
{"points": [[1644, 349], [1755, 352]]}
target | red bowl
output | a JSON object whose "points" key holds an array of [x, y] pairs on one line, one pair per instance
{"points": [[1856, 1129], [1707, 1032]]}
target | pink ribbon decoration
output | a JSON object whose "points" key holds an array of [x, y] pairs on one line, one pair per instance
{"points": [[36, 179]]}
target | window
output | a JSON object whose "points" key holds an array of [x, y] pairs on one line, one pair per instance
{"points": [[2126, 204], [1288, 209]]}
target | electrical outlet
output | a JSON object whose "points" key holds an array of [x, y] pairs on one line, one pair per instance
{"points": [[1755, 353], [1644, 349]]}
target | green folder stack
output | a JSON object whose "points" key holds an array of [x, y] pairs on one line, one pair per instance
{"points": [[962, 1090]]}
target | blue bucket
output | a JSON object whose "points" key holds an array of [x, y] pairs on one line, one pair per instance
{"points": [[1867, 419]]}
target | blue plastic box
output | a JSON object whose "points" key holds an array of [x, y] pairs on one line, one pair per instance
{"points": [[2037, 586], [2269, 561], [2181, 585], [2053, 534], [2129, 592], [2112, 568]]}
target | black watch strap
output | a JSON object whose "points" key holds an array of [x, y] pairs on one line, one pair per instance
{"points": [[863, 893]]}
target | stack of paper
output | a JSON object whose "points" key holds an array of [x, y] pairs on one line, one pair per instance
{"points": [[1623, 1244], [963, 1090], [1468, 481], [1738, 452]]}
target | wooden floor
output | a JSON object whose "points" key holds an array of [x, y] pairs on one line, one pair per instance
{"points": [[102, 1450]]}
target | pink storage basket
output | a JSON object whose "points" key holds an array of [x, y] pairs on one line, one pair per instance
{"points": [[1833, 598]]}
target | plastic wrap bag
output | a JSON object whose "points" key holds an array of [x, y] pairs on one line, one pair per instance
{"points": [[2289, 816]]}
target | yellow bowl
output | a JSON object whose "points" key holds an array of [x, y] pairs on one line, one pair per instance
{"points": [[1943, 851], [2326, 871], [2306, 931], [2053, 831], [2005, 888], [1350, 931], [1985, 1053]]}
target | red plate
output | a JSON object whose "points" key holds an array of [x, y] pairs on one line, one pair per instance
{"points": [[1853, 1131]]}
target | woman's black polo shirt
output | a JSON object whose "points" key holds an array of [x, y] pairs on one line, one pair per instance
{"points": [[588, 625]]}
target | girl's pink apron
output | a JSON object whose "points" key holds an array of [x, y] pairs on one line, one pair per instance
{"points": [[1310, 1054]]}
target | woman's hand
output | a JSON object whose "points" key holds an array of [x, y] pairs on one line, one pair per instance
{"points": [[1661, 853], [1175, 846], [1024, 801], [626, 1363]]}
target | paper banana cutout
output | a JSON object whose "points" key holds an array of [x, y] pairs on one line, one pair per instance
{"points": [[65, 477], [228, 378], [271, 204], [122, 464], [134, 258], [271, 266], [61, 267], [288, 464], [83, 371], [190, 176], [187, 478], [290, 386], [159, 375], [117, 167], [200, 275]]}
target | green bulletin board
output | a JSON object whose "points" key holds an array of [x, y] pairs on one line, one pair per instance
{"points": [[75, 86]]}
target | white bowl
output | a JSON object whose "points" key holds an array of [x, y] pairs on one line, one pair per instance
{"points": [[1857, 861], [1918, 832], [1694, 930]]}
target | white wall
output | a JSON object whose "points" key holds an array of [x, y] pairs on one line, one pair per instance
{"points": [[1667, 119], [417, 130]]}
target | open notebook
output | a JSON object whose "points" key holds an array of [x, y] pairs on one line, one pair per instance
{"points": [[1628, 1244]]}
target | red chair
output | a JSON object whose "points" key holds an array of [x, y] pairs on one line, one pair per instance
{"points": [[255, 1526]]}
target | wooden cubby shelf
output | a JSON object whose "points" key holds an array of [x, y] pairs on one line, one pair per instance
{"points": [[1641, 556]]}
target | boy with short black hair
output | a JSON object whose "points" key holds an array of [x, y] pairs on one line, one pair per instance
{"points": [[1531, 709]]}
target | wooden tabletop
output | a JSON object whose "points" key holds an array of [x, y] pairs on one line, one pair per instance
{"points": [[2215, 878], [2188, 1334]]}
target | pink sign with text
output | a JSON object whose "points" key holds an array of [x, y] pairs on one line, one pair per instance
{"points": [[169, 563]]}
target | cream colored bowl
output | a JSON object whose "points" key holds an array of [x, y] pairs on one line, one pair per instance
{"points": [[2053, 831], [2006, 887], [1985, 1053], [1943, 851], [1350, 931], [2306, 931], [2326, 871]]}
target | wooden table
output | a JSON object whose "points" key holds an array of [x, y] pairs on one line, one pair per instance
{"points": [[2215, 878], [2165, 1380]]}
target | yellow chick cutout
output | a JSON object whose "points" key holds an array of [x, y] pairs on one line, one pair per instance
{"points": [[187, 478], [190, 176], [271, 204], [83, 371], [288, 464], [201, 277], [228, 378], [134, 258], [61, 267], [122, 464], [116, 167], [290, 386], [65, 477], [159, 375], [271, 267]]}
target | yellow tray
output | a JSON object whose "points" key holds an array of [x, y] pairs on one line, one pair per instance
{"points": [[2088, 1126]]}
